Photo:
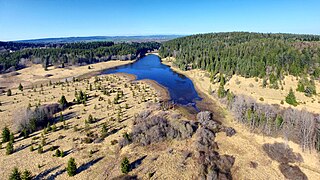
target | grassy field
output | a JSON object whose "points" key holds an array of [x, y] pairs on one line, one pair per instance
{"points": [[245, 145], [97, 159], [35, 73], [101, 158]]}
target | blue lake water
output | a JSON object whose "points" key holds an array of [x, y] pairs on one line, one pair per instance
{"points": [[180, 87]]}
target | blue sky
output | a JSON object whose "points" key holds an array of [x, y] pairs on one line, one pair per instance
{"points": [[30, 19]]}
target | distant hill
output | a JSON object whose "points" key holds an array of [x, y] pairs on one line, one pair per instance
{"points": [[263, 55], [157, 38]]}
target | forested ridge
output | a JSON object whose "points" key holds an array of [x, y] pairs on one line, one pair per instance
{"points": [[247, 54], [268, 56], [16, 54]]}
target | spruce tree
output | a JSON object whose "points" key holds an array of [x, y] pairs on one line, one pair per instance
{"points": [[9, 93], [20, 87], [15, 175], [9, 148], [63, 101], [26, 175], [125, 166], [5, 134], [72, 167], [11, 137], [291, 98]]}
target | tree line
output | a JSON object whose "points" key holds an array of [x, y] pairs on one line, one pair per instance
{"points": [[72, 53], [299, 126], [261, 55]]}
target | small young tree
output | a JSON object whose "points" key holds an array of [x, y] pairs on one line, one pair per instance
{"points": [[9, 148], [15, 175], [11, 137], [221, 92], [5, 134], [104, 130], [125, 166], [291, 98], [90, 119], [40, 149], [26, 175], [210, 90], [279, 121], [61, 119], [58, 152], [63, 101], [20, 87], [72, 167], [9, 93]]}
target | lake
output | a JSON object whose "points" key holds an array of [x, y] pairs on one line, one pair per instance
{"points": [[180, 87]]}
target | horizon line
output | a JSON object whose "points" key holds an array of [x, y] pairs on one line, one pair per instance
{"points": [[174, 34]]}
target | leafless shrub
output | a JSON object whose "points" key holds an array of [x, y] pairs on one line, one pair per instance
{"points": [[299, 126], [32, 120], [212, 165], [230, 131], [292, 172], [307, 130], [204, 139], [156, 129], [176, 116], [153, 106], [147, 130], [204, 116], [281, 153]]}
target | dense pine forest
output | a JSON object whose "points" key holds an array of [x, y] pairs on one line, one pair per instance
{"points": [[247, 54], [17, 54], [268, 56]]}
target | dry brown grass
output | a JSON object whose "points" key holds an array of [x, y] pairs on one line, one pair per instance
{"points": [[106, 161], [35, 74], [245, 146]]}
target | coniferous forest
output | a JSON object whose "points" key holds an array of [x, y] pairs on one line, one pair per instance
{"points": [[15, 54], [247, 54]]}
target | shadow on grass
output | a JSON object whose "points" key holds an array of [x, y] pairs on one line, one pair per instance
{"points": [[87, 165], [53, 176], [137, 162], [22, 148], [43, 174]]}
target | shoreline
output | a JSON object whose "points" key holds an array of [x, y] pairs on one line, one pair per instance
{"points": [[244, 142], [164, 94], [204, 104]]}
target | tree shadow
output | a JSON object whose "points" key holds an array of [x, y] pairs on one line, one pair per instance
{"points": [[45, 173], [113, 131], [66, 153], [137, 162], [53, 176], [21, 138], [87, 165], [126, 118], [52, 148], [22, 148], [69, 115]]}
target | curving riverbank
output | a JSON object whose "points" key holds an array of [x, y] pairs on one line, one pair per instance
{"points": [[161, 90]]}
